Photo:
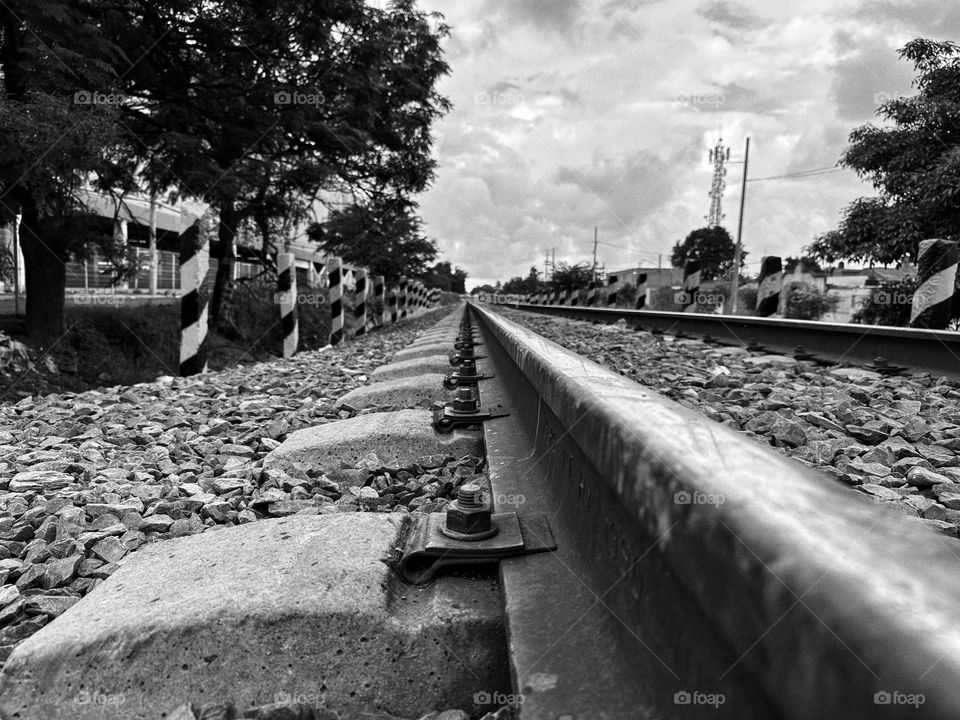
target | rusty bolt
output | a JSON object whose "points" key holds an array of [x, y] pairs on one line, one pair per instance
{"points": [[465, 401], [469, 514]]}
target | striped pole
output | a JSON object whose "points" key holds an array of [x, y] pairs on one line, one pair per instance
{"points": [[360, 311], [287, 297], [769, 285], [575, 296], [592, 294], [379, 292], [392, 304], [641, 291], [435, 297], [402, 300], [194, 261], [936, 276], [691, 285], [564, 296], [613, 285], [335, 276]]}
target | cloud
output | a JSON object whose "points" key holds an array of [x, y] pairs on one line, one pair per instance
{"points": [[731, 15]]}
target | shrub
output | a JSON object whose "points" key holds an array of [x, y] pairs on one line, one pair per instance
{"points": [[805, 302]]}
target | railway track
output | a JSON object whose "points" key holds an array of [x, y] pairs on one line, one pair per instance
{"points": [[697, 572], [652, 563], [933, 351]]}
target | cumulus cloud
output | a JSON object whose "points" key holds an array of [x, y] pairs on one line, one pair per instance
{"points": [[571, 114]]}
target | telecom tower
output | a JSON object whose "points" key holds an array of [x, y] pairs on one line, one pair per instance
{"points": [[719, 157]]}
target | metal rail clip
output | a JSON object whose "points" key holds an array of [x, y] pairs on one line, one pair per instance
{"points": [[447, 418], [458, 358], [422, 549]]}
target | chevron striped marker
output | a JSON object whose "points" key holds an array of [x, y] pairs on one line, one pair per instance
{"points": [[641, 291], [691, 285], [936, 276], [287, 297], [335, 276], [392, 296], [769, 286], [402, 298], [379, 292], [194, 262], [613, 285], [434, 297], [360, 310], [575, 296], [592, 294]]}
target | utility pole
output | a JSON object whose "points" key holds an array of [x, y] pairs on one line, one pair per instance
{"points": [[593, 268], [152, 244], [735, 280]]}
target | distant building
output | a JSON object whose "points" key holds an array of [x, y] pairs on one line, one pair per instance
{"points": [[655, 277]]}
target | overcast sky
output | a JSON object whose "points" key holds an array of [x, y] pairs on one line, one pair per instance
{"points": [[570, 114]]}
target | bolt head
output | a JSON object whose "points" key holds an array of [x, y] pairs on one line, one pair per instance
{"points": [[469, 520]]}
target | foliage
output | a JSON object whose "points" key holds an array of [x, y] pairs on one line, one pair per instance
{"points": [[713, 247], [807, 263], [887, 304], [913, 163], [446, 278], [386, 237], [805, 302], [519, 286], [746, 301], [567, 277]]}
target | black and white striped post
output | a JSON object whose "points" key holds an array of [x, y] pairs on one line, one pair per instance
{"points": [[641, 291], [936, 279], [434, 297], [402, 299], [592, 294], [564, 296], [613, 286], [379, 292], [691, 285], [575, 296], [392, 300], [335, 277], [769, 285], [360, 309], [287, 298], [194, 262]]}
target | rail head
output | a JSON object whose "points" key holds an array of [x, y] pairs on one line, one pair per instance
{"points": [[753, 536]]}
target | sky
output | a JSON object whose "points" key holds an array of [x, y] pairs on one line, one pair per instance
{"points": [[575, 114]]}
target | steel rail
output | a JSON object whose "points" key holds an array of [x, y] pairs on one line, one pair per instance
{"points": [[933, 351], [698, 571]]}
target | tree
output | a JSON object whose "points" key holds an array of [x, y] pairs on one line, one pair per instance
{"points": [[913, 163], [713, 247], [888, 303], [520, 286], [385, 237], [55, 136], [445, 277], [567, 277], [806, 263], [805, 302]]}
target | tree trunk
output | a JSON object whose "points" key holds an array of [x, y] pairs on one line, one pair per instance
{"points": [[46, 280], [227, 235]]}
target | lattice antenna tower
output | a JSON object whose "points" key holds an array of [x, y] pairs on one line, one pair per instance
{"points": [[719, 156]]}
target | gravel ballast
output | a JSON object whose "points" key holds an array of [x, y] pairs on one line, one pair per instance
{"points": [[87, 478]]}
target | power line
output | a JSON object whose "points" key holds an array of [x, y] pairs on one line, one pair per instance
{"points": [[801, 174]]}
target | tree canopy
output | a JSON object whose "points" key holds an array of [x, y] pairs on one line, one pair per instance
{"points": [[913, 162], [713, 247]]}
